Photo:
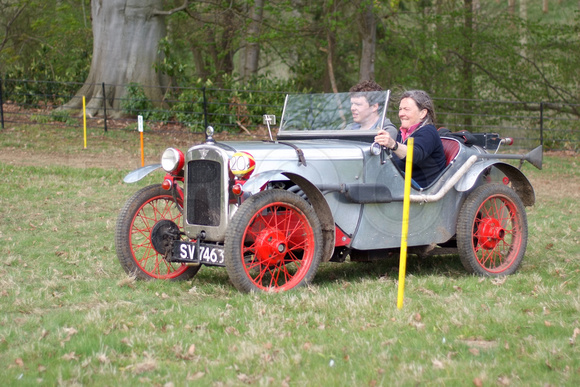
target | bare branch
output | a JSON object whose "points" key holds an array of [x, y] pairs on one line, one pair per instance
{"points": [[182, 7], [533, 107], [489, 74], [9, 24]]}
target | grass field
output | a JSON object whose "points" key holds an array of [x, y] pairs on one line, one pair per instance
{"points": [[70, 316]]}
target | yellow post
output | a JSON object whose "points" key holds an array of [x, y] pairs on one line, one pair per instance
{"points": [[405, 229], [84, 122]]}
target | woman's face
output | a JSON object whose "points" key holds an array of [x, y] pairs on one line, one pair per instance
{"points": [[409, 113]]}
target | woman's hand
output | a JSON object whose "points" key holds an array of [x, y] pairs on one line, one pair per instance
{"points": [[383, 138]]}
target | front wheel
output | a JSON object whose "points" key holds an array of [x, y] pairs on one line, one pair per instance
{"points": [[273, 243], [149, 210], [492, 231]]}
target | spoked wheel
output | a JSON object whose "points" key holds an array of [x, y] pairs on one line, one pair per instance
{"points": [[141, 231], [273, 243], [492, 231]]}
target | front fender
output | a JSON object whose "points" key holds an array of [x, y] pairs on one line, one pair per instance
{"points": [[519, 181], [256, 182], [315, 197], [323, 212], [140, 173]]}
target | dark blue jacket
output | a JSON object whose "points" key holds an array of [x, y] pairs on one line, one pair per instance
{"points": [[428, 155]]}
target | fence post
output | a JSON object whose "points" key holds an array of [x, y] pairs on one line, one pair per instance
{"points": [[1, 105], [105, 107], [204, 109], [541, 123]]}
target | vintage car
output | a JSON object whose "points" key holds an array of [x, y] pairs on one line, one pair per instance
{"points": [[271, 211]]}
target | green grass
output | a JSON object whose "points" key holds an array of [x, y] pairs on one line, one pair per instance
{"points": [[70, 316], [67, 141]]}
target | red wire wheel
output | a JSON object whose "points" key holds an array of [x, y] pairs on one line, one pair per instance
{"points": [[273, 243], [137, 255], [492, 231]]}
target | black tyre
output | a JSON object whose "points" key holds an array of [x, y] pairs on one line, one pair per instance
{"points": [[273, 243], [137, 220], [492, 231]]}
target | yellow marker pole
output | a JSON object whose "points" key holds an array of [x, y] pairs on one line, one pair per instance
{"points": [[405, 229], [85, 122], [140, 126]]}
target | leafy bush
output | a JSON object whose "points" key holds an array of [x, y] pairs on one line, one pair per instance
{"points": [[231, 107], [61, 115], [136, 102], [188, 108]]}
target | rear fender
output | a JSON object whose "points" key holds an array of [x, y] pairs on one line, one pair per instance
{"points": [[519, 182]]}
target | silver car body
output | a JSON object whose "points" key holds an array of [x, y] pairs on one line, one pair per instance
{"points": [[316, 152]]}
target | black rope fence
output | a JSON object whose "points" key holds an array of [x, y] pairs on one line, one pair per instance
{"points": [[239, 112]]}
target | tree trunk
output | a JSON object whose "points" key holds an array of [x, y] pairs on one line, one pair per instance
{"points": [[224, 55], [511, 7], [200, 67], [467, 93], [329, 61], [252, 50], [126, 35], [524, 17], [368, 30]]}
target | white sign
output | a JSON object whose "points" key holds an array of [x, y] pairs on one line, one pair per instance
{"points": [[140, 123]]}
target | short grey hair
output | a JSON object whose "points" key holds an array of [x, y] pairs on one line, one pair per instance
{"points": [[423, 101]]}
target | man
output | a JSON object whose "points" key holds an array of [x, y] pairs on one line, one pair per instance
{"points": [[365, 107]]}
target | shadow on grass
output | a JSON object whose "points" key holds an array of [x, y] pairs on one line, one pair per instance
{"points": [[331, 272], [442, 265]]}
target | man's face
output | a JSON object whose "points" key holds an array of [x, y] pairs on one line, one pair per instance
{"points": [[362, 112]]}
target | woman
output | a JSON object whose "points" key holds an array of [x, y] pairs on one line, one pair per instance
{"points": [[417, 115]]}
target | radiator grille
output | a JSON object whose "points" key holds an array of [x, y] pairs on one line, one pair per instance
{"points": [[203, 192]]}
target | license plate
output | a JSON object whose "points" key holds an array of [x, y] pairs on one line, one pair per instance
{"points": [[212, 255]]}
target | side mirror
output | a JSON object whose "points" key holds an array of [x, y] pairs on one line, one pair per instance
{"points": [[377, 149], [269, 119]]}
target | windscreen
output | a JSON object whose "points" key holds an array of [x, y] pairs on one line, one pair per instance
{"points": [[336, 112]]}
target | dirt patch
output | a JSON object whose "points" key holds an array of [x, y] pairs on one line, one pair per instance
{"points": [[557, 188], [29, 158], [557, 185]]}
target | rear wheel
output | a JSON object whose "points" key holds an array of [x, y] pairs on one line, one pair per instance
{"points": [[492, 231], [273, 243], [151, 212]]}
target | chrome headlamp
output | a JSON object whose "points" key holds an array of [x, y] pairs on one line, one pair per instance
{"points": [[172, 160]]}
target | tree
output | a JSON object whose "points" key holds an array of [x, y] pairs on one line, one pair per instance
{"points": [[252, 51], [42, 40], [368, 33], [10, 11], [467, 92], [126, 36], [218, 29]]}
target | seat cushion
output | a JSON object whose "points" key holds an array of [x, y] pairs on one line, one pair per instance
{"points": [[451, 149]]}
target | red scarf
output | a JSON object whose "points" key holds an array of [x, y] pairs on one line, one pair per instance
{"points": [[406, 132]]}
